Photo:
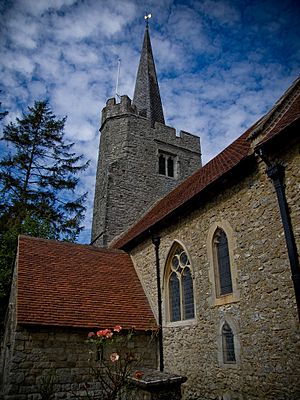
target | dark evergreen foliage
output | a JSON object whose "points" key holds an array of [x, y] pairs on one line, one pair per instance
{"points": [[38, 179], [39, 174]]}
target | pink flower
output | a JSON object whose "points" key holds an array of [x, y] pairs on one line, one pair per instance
{"points": [[138, 374], [117, 328], [114, 357], [105, 333], [91, 334], [108, 334]]}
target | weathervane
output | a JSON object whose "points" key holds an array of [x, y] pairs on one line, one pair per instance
{"points": [[147, 17]]}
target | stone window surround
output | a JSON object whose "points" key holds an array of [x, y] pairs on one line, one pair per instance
{"points": [[237, 348], [214, 299], [168, 155], [165, 289]]}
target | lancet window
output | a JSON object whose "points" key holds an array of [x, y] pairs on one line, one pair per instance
{"points": [[228, 344], [222, 261]]}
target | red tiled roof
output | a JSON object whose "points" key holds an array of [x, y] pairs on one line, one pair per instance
{"points": [[285, 112], [68, 284], [290, 116], [192, 186]]}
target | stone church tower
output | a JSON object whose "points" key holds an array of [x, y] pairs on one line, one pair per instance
{"points": [[140, 158]]}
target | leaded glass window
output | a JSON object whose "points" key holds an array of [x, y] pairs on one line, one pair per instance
{"points": [[228, 344], [180, 284], [223, 262], [174, 287], [188, 299]]}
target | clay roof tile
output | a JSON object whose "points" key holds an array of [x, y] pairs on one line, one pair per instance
{"points": [[68, 284]]}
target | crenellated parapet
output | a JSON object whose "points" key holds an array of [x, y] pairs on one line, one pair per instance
{"points": [[140, 158], [139, 162], [184, 140], [157, 131], [114, 109]]}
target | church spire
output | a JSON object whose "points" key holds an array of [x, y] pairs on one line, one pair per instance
{"points": [[146, 93]]}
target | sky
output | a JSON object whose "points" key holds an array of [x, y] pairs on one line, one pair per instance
{"points": [[221, 64]]}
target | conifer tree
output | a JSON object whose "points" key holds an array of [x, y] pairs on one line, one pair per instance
{"points": [[39, 175], [38, 179]]}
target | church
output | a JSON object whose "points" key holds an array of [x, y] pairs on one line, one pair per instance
{"points": [[208, 254]]}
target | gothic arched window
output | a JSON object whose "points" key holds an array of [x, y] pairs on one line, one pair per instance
{"points": [[228, 344], [222, 261], [180, 292]]}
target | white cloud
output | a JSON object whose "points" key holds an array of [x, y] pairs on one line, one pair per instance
{"points": [[222, 11], [20, 63], [221, 63], [36, 8]]}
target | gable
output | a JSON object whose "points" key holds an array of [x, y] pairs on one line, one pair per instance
{"points": [[285, 111]]}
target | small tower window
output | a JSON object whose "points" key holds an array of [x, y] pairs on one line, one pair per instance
{"points": [[162, 164], [171, 166], [166, 164], [228, 344]]}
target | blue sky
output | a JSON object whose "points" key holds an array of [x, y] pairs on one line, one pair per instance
{"points": [[221, 64]]}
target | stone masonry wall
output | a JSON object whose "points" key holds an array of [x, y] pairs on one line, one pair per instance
{"points": [[38, 352], [264, 314], [128, 182]]}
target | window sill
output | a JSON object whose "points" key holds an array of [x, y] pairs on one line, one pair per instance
{"points": [[225, 299], [176, 324], [174, 178], [228, 365]]}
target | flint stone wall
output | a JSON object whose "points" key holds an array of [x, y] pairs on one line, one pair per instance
{"points": [[38, 352], [267, 335]]}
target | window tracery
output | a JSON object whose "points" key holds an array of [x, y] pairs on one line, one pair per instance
{"points": [[179, 285]]}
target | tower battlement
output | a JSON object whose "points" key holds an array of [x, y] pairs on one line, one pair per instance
{"points": [[140, 158], [114, 109], [166, 133], [126, 106], [184, 140]]}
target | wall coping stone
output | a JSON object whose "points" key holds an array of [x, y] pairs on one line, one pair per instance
{"points": [[154, 380]]}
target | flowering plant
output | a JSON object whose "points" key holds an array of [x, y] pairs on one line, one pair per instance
{"points": [[115, 362]]}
